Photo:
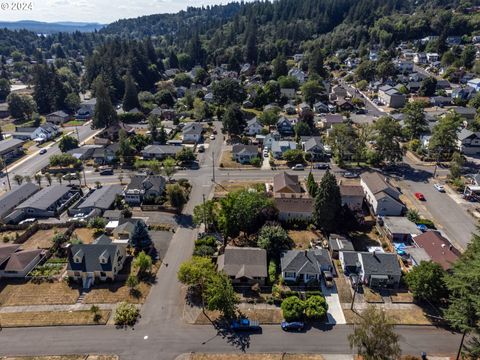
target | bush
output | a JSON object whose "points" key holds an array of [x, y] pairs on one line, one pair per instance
{"points": [[204, 251], [206, 240], [316, 307], [413, 215], [311, 293], [257, 162], [126, 314], [290, 293], [272, 271], [428, 223], [293, 308]]}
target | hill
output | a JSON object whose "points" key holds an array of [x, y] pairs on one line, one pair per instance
{"points": [[50, 28]]}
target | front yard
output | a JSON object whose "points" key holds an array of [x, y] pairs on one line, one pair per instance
{"points": [[264, 316], [17, 293], [53, 318], [409, 316], [228, 163], [225, 187]]}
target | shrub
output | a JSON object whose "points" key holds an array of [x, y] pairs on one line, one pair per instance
{"points": [[311, 293], [272, 271], [6, 238], [316, 307], [206, 240], [413, 215], [204, 251], [257, 162], [427, 222], [292, 308], [126, 314]]}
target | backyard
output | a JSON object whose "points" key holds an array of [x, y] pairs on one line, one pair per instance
{"points": [[42, 239], [85, 235], [302, 238]]}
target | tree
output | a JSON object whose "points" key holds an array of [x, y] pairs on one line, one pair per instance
{"points": [[18, 179], [95, 310], [125, 149], [293, 156], [59, 177], [468, 56], [104, 114], [220, 295], [268, 117], [176, 197], [328, 204], [311, 91], [143, 263], [196, 272], [288, 82], [48, 177], [388, 139], [312, 186], [72, 102], [456, 165], [315, 62], [365, 71], [228, 91], [280, 67], [443, 142], [414, 120], [426, 281], [20, 106], [386, 69], [164, 97], [232, 120], [205, 213], [182, 79], [343, 139], [293, 308], [185, 155], [126, 314], [302, 129], [132, 283], [153, 123], [169, 167], [374, 336], [316, 307], [67, 142], [140, 238], [274, 239], [428, 86], [251, 41], [4, 89], [200, 109], [38, 179]]}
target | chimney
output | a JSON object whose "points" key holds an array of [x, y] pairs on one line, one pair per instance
{"points": [[450, 247]]}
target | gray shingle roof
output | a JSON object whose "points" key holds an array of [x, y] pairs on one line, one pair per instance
{"points": [[284, 180], [146, 182], [162, 150], [6, 145], [305, 261], [14, 197], [46, 197], [339, 243], [91, 257], [380, 264], [102, 198], [243, 262]]}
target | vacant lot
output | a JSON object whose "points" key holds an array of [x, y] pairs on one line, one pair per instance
{"points": [[264, 316], [28, 293], [411, 316], [53, 318], [302, 238], [225, 187], [228, 163], [42, 239], [279, 356], [85, 235]]}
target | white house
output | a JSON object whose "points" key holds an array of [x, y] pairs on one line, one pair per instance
{"points": [[432, 57], [383, 198], [474, 83], [192, 133], [298, 74], [253, 127]]}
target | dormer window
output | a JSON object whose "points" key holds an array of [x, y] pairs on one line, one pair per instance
{"points": [[78, 257], [103, 258]]}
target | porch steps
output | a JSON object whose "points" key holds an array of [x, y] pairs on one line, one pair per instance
{"points": [[81, 297]]}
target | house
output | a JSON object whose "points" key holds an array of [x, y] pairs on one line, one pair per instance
{"points": [[303, 108], [469, 142], [288, 93], [58, 117], [420, 58], [352, 196], [331, 119], [100, 261], [143, 186], [160, 152], [113, 131], [338, 243], [463, 93], [124, 230], [48, 202], [270, 138], [339, 92], [285, 126], [99, 200], [17, 263], [404, 66], [400, 229], [467, 113], [40, 134], [290, 109], [344, 105], [253, 127], [244, 154], [11, 149], [375, 269], [320, 107], [298, 57], [286, 183], [443, 84], [391, 97], [4, 111], [383, 198], [441, 101], [313, 145], [279, 147], [373, 56], [105, 155], [192, 133], [244, 265], [294, 207], [298, 74], [86, 110], [83, 153], [432, 57], [439, 249], [15, 197], [474, 84], [305, 265]]}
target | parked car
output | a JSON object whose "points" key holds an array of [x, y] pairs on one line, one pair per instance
{"points": [[350, 175], [201, 148], [43, 151], [27, 221], [328, 277], [322, 166], [292, 326], [265, 154], [298, 167], [71, 176], [361, 112], [439, 187], [106, 171], [212, 137], [419, 196], [244, 324], [422, 227], [354, 280]]}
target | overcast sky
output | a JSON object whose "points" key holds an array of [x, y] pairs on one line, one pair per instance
{"points": [[101, 11]]}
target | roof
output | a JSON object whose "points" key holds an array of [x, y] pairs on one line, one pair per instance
{"points": [[375, 263], [312, 142], [8, 144], [193, 129], [294, 205], [351, 190], [59, 113], [333, 118], [90, 255], [19, 260], [6, 250], [377, 183], [438, 248], [465, 134], [417, 254], [305, 261], [284, 180], [339, 243], [146, 182], [241, 149], [400, 225], [102, 198], [253, 121], [14, 197], [283, 145], [162, 149], [46, 197], [243, 262]]}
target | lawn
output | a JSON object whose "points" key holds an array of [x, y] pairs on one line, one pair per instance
{"points": [[264, 316], [413, 316], [42, 239], [225, 187], [302, 238], [28, 293], [52, 318], [402, 297], [260, 356], [85, 235], [229, 163], [74, 123]]}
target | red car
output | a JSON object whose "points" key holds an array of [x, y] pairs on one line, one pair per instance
{"points": [[420, 196]]}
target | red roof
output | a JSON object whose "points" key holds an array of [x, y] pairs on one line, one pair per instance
{"points": [[438, 248]]}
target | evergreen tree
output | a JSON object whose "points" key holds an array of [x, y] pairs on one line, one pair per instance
{"points": [[130, 97], [328, 204], [415, 121], [140, 238], [44, 89], [173, 60], [280, 67], [232, 120], [104, 114], [388, 139], [251, 54], [312, 186], [315, 62]]}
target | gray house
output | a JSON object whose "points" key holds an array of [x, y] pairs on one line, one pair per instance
{"points": [[58, 117], [391, 97], [244, 265], [15, 197], [11, 149], [99, 200], [279, 147], [313, 145], [244, 154], [143, 186], [383, 198], [160, 152], [17, 263], [305, 265]]}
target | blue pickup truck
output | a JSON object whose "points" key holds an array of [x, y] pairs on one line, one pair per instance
{"points": [[245, 325]]}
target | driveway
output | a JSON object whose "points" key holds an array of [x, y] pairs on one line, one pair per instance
{"points": [[335, 312]]}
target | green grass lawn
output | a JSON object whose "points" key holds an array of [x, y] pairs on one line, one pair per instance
{"points": [[74, 123]]}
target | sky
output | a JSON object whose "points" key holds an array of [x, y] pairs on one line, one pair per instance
{"points": [[101, 11]]}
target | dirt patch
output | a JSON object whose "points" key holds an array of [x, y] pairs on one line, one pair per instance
{"points": [[225, 187], [361, 241], [302, 238], [371, 296], [9, 236], [411, 316], [228, 163], [42, 239], [402, 297], [28, 293], [264, 316], [53, 318], [342, 285], [85, 235], [279, 356]]}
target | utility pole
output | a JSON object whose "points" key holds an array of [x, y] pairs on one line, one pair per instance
{"points": [[461, 345], [83, 164], [354, 293], [6, 173], [204, 214], [213, 166]]}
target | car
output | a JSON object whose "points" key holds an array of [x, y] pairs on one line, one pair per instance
{"points": [[43, 151], [322, 166], [106, 171], [422, 227], [71, 176], [298, 167], [212, 137], [244, 324], [214, 132], [419, 196], [27, 221], [201, 148], [354, 280], [439, 187], [328, 277], [79, 215], [265, 154], [361, 112], [350, 175], [292, 326]]}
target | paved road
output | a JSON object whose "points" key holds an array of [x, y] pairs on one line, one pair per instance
{"points": [[369, 105]]}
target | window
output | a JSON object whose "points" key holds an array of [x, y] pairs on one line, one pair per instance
{"points": [[103, 274], [310, 276], [290, 275]]}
